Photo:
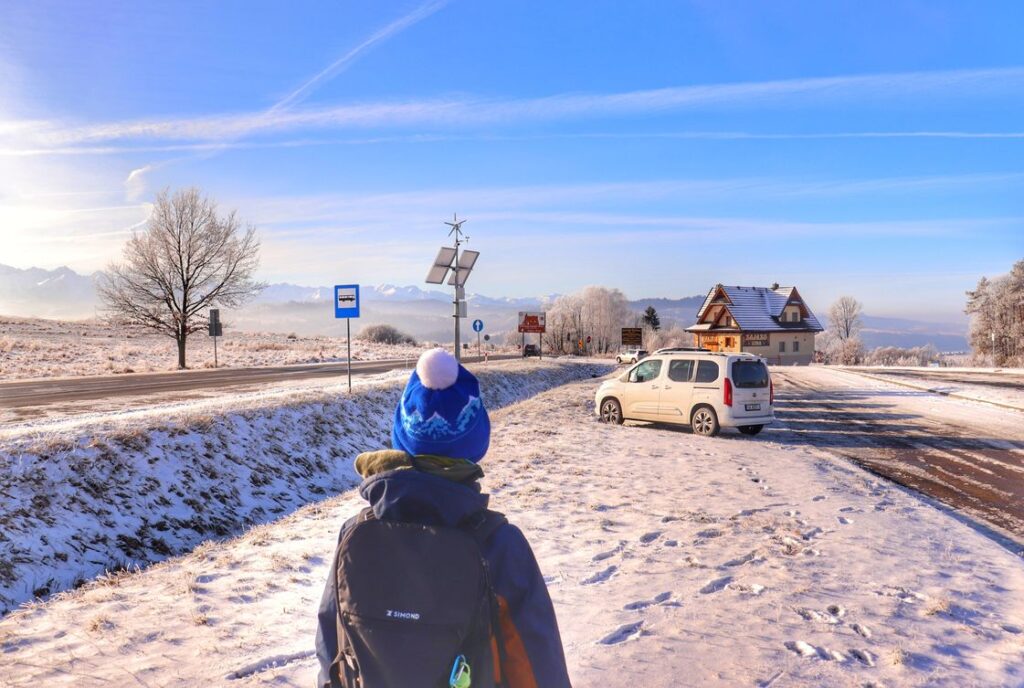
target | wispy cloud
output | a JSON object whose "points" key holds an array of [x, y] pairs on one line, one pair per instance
{"points": [[445, 112], [483, 138], [343, 62]]}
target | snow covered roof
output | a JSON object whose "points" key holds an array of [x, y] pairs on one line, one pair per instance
{"points": [[757, 309]]}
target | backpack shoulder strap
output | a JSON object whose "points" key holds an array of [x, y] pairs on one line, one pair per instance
{"points": [[483, 524]]}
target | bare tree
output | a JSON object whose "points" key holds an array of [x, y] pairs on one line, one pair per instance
{"points": [[186, 260], [844, 318]]}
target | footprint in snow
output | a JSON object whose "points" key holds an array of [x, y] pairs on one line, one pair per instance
{"points": [[845, 521], [818, 498], [600, 576], [710, 533], [647, 538], [745, 559], [861, 630], [601, 556], [661, 598], [717, 585], [623, 633], [863, 656], [814, 615], [802, 648]]}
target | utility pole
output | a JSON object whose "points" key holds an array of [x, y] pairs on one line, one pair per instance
{"points": [[460, 294]]}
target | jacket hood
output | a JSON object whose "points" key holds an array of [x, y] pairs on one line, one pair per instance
{"points": [[411, 495]]}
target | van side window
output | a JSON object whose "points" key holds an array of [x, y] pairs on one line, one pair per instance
{"points": [[680, 371], [646, 371], [707, 371]]}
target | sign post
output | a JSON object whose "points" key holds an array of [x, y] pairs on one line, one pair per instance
{"points": [[534, 323], [216, 330], [346, 305], [478, 327]]}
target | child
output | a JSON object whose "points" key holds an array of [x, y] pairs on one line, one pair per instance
{"points": [[402, 603]]}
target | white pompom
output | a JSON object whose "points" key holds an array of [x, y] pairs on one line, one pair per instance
{"points": [[437, 369]]}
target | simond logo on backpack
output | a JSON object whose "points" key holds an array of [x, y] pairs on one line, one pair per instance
{"points": [[412, 616]]}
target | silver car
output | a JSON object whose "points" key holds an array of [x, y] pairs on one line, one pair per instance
{"points": [[631, 356]]}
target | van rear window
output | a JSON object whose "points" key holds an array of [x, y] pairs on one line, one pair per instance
{"points": [[749, 374]]}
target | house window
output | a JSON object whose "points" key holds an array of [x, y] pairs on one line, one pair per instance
{"points": [[782, 347], [728, 341], [794, 316], [796, 347]]}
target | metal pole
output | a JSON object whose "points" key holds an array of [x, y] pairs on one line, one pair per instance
{"points": [[215, 351], [458, 345], [478, 354], [348, 343]]}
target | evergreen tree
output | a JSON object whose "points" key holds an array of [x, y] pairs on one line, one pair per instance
{"points": [[651, 319]]}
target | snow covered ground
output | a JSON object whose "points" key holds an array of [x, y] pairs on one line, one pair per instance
{"points": [[102, 491], [1003, 386], [36, 347], [673, 560]]}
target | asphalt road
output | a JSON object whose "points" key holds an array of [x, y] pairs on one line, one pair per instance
{"points": [[966, 455], [19, 394]]}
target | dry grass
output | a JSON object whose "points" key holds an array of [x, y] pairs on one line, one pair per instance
{"points": [[100, 623], [897, 656], [939, 605]]}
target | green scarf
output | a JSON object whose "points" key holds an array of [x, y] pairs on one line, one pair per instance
{"points": [[456, 470]]}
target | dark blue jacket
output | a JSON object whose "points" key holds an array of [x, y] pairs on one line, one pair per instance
{"points": [[533, 647]]}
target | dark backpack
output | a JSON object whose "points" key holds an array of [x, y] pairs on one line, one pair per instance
{"points": [[412, 599]]}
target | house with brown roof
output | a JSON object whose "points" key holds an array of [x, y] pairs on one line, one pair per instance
{"points": [[773, 322]]}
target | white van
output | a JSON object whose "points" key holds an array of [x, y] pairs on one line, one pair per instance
{"points": [[705, 390]]}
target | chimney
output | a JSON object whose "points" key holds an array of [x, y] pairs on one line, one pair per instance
{"points": [[775, 285]]}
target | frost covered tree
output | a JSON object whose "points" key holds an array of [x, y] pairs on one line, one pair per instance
{"points": [[186, 260], [841, 342], [595, 312], [996, 307]]}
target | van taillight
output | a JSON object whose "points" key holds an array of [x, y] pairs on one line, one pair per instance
{"points": [[771, 392], [728, 392]]}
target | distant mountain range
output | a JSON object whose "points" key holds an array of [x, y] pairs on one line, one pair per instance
{"points": [[283, 307]]}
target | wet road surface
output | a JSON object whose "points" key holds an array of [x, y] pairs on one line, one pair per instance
{"points": [[967, 455]]}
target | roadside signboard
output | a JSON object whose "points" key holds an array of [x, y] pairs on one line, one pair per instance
{"points": [[755, 339], [216, 330], [346, 301], [632, 336], [346, 305], [532, 323], [478, 325]]}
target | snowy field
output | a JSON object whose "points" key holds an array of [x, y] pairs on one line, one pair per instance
{"points": [[672, 560], [1004, 386], [35, 347], [114, 490]]}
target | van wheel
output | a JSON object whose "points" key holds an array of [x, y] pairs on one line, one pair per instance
{"points": [[611, 412], [750, 429], [705, 422]]}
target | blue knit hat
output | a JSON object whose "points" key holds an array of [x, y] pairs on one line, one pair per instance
{"points": [[441, 412]]}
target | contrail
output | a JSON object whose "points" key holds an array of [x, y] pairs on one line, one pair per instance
{"points": [[342, 63]]}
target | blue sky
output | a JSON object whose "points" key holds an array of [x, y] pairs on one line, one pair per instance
{"points": [[864, 148]]}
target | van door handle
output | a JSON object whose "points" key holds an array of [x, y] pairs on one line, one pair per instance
{"points": [[655, 387], [668, 386]]}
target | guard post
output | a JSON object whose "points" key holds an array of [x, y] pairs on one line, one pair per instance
{"points": [[346, 305]]}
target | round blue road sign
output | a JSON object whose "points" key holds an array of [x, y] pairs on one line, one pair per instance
{"points": [[478, 325]]}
